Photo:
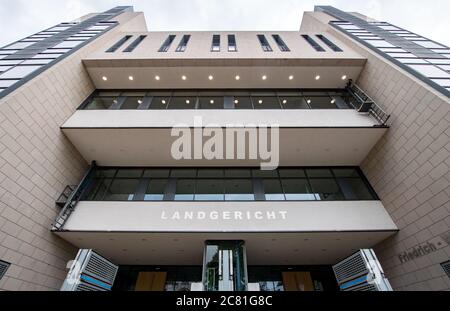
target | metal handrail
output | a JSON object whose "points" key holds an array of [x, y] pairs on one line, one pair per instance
{"points": [[73, 200], [367, 104]]}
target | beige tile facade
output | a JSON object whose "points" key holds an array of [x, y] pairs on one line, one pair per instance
{"points": [[36, 163], [409, 169]]}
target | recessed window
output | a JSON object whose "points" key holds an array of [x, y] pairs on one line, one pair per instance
{"points": [[380, 44], [313, 43], [183, 43], [232, 47], [167, 43], [430, 71], [330, 44], [18, 45], [118, 44], [135, 44], [264, 43], [281, 45], [19, 72], [215, 46]]}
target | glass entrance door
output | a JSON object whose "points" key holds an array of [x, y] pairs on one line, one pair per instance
{"points": [[224, 266]]}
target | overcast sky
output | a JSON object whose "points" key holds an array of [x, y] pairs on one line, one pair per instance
{"points": [[20, 18]]}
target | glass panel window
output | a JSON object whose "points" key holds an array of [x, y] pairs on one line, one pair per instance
{"points": [[429, 44], [159, 102], [380, 44], [210, 173], [132, 103], [167, 43], [209, 190], [183, 43], [297, 190], [135, 44], [211, 102], [185, 190], [239, 190], [156, 173], [122, 190], [183, 173], [326, 189], [118, 44], [355, 189], [273, 190], [319, 172], [129, 173], [294, 102], [264, 43], [292, 172], [242, 102], [330, 44], [238, 173], [266, 102], [313, 43], [101, 103], [215, 46], [430, 71], [321, 102], [182, 102], [68, 44], [19, 72], [281, 44], [18, 45], [232, 47], [155, 190]]}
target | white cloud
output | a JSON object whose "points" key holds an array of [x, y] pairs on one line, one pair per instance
{"points": [[20, 18]]}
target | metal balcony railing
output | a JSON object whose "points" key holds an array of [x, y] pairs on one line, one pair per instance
{"points": [[364, 104]]}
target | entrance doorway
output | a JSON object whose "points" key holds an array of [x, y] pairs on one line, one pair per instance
{"points": [[151, 281], [298, 281], [224, 267]]}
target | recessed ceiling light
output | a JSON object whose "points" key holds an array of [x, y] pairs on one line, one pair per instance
{"points": [[131, 78], [344, 77], [333, 101], [264, 77], [183, 77], [317, 77], [309, 101], [237, 77], [104, 78], [139, 101], [260, 101], [236, 101], [157, 78], [284, 101], [210, 77], [211, 101], [188, 101], [163, 102], [291, 77]]}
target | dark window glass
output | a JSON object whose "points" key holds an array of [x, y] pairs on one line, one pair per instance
{"points": [[160, 102], [105, 173], [129, 173], [185, 190], [326, 189], [132, 103], [321, 102], [273, 190], [266, 102], [265, 174], [318, 172], [209, 190], [239, 190], [283, 47], [183, 43], [98, 189], [167, 43], [346, 172], [182, 102], [101, 103], [183, 173], [135, 43], [232, 47], [242, 102], [215, 46], [210, 173], [155, 190], [291, 102], [264, 43], [297, 190], [355, 189], [330, 44], [238, 173], [122, 190], [313, 43], [117, 45], [292, 172], [156, 173], [211, 102]]}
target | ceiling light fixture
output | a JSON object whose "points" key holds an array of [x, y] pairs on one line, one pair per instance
{"points": [[344, 77], [139, 101], [237, 77], [236, 101], [131, 78], [104, 78], [291, 77], [163, 102], [188, 101], [317, 77], [264, 77], [211, 101], [333, 101], [284, 101], [157, 78], [309, 101], [260, 101], [210, 78], [183, 77]]}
